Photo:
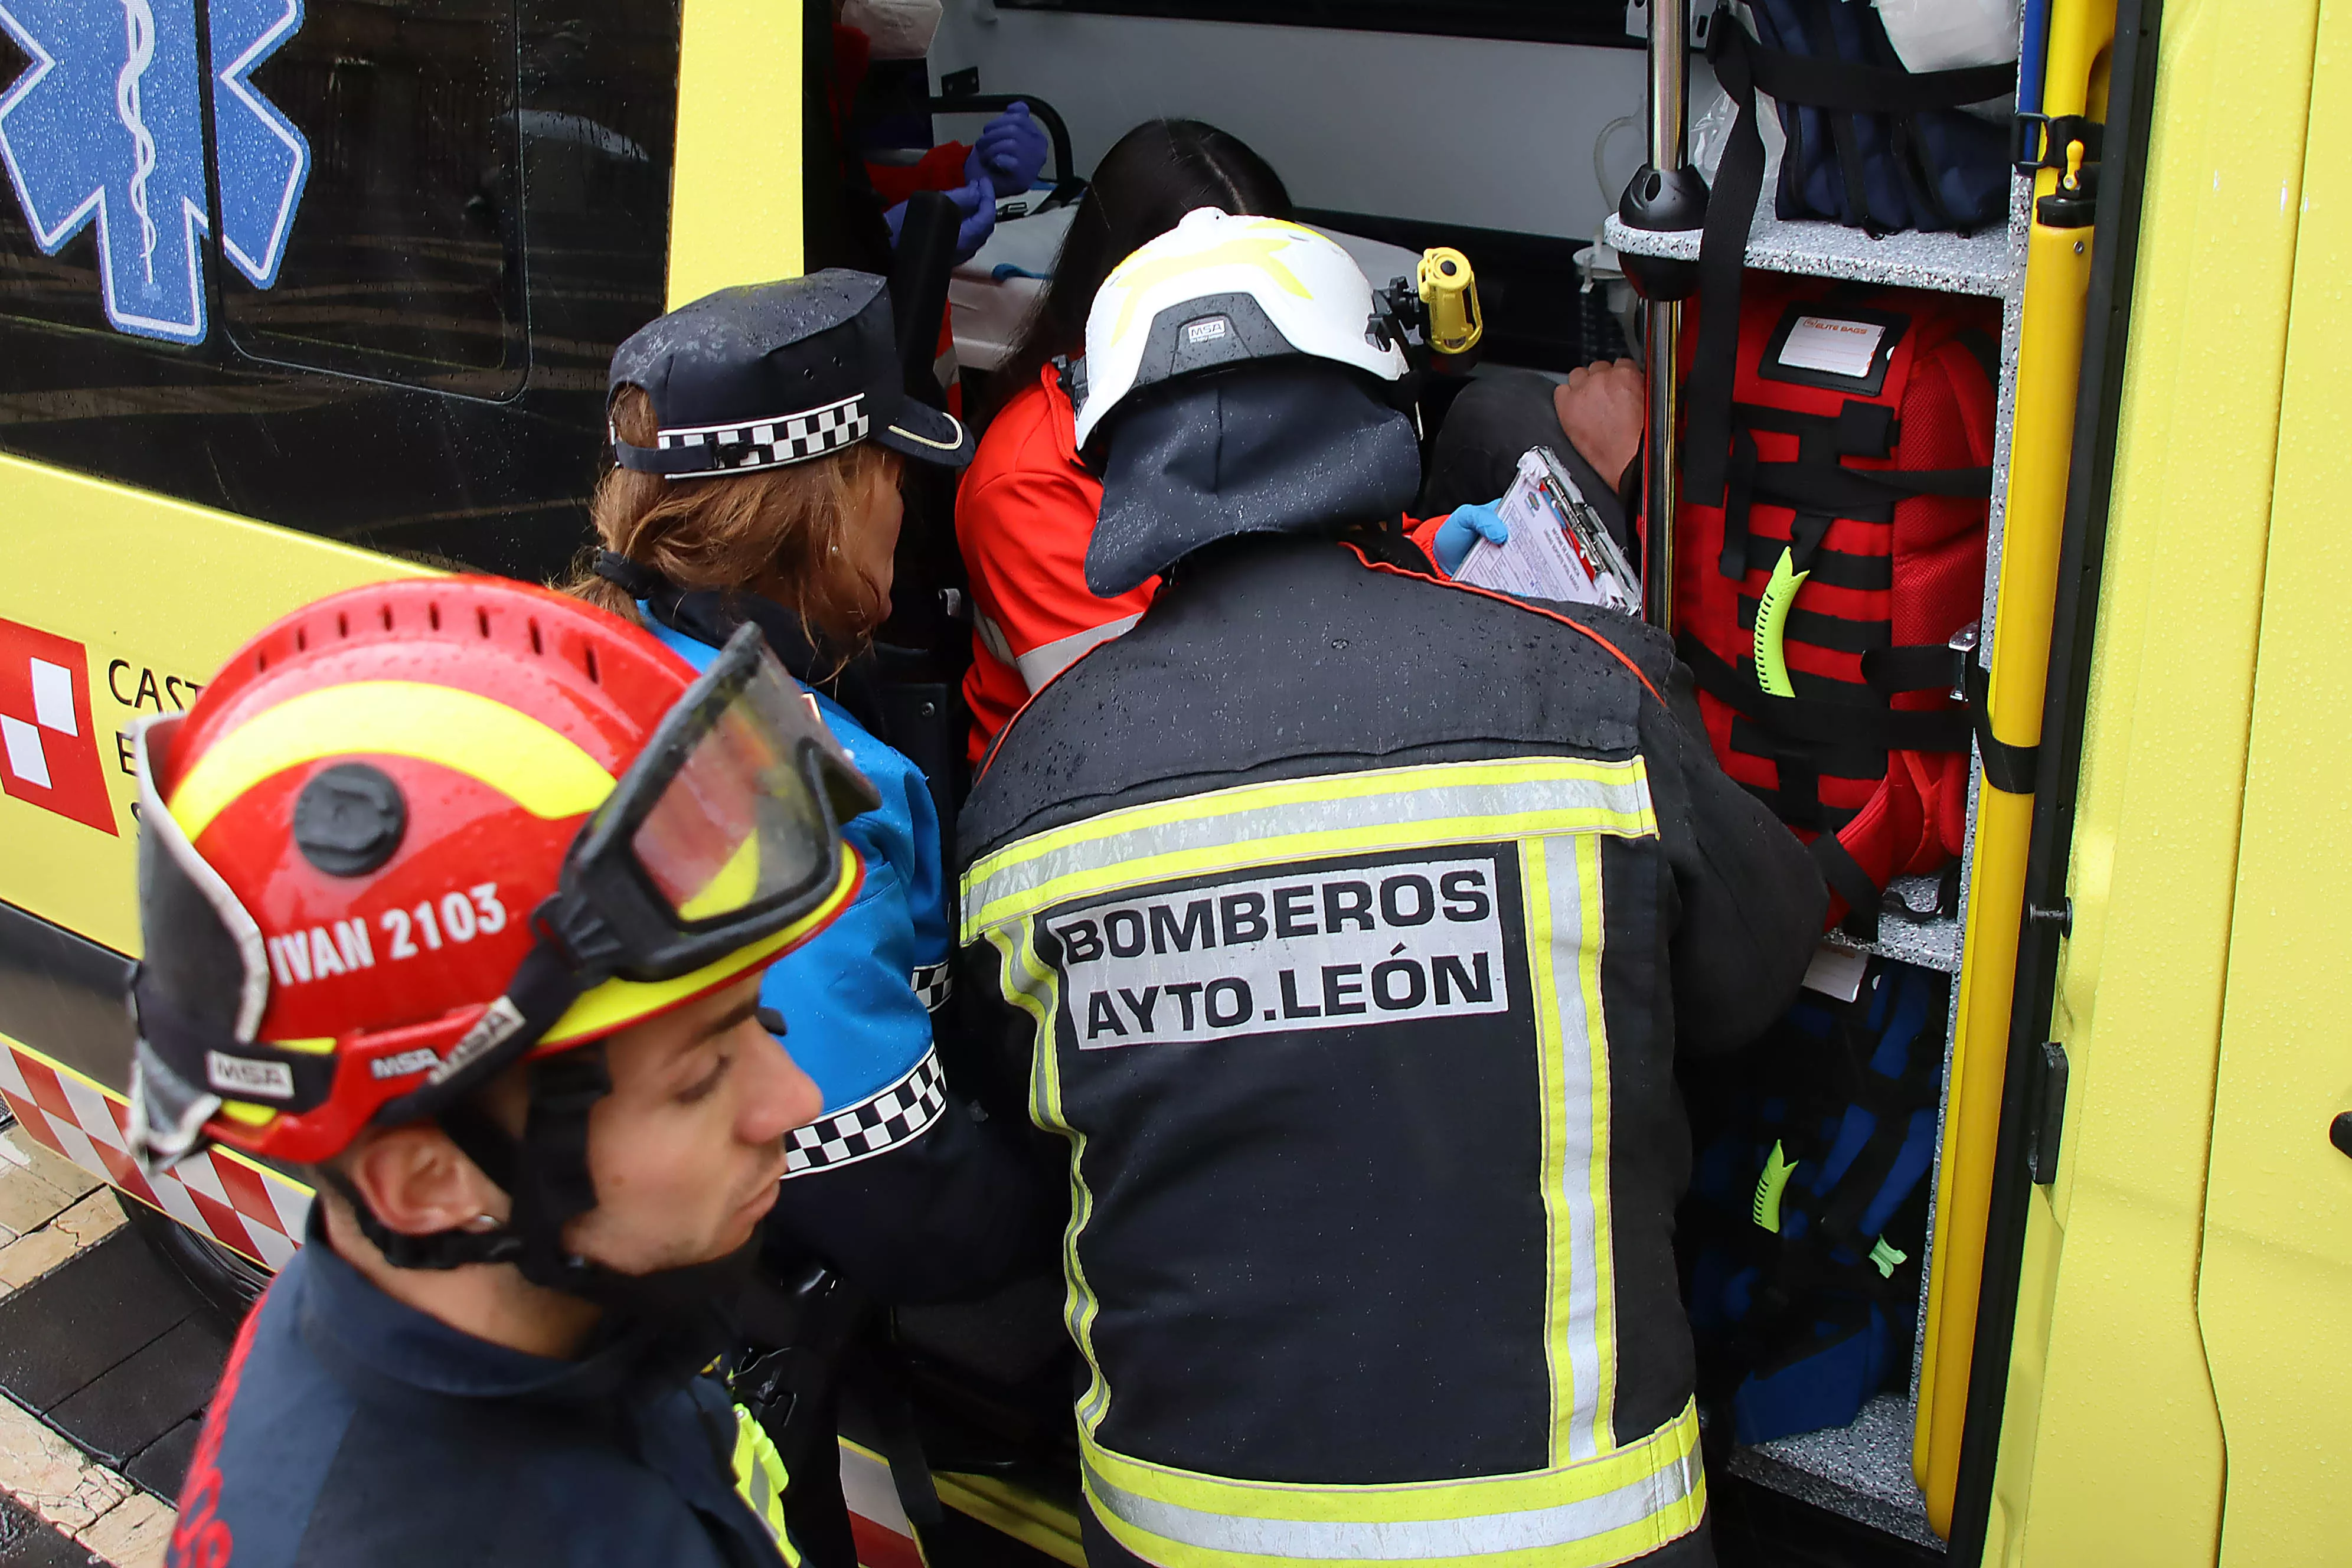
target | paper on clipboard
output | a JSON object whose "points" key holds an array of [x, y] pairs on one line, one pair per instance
{"points": [[1559, 549]]}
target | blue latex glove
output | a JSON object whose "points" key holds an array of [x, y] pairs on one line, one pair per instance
{"points": [[976, 201], [1464, 528], [1010, 153]]}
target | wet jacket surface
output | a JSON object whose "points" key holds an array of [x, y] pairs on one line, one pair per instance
{"points": [[1353, 922], [350, 1431]]}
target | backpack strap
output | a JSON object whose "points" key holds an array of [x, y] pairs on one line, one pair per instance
{"points": [[1743, 65], [1811, 719]]}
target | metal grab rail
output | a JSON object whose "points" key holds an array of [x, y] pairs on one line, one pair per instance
{"points": [[1668, 110]]}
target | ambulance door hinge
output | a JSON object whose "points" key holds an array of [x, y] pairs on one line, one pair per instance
{"points": [[2045, 1114]]}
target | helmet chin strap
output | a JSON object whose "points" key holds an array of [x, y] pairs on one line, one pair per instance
{"points": [[546, 1173]]}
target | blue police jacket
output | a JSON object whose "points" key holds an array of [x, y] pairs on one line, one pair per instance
{"points": [[895, 1185], [355, 1431]]}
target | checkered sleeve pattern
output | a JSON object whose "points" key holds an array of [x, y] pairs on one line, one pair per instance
{"points": [[241, 1205], [775, 443], [932, 983], [897, 1115]]}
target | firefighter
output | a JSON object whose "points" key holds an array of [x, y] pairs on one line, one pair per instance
{"points": [[1353, 921], [457, 894]]}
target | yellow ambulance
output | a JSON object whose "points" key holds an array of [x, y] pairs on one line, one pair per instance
{"points": [[302, 293]]}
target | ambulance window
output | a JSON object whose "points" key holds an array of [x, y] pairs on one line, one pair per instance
{"points": [[1541, 21], [405, 264]]}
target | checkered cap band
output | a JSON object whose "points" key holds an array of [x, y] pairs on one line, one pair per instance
{"points": [[775, 443], [245, 1207], [884, 1120], [932, 983]]}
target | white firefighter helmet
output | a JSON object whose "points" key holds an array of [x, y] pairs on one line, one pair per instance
{"points": [[1218, 289]]}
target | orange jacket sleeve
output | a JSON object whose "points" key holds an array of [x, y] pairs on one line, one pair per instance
{"points": [[1024, 516]]}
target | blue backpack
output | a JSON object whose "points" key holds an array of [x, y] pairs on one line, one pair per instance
{"points": [[1804, 1233], [1870, 144]]}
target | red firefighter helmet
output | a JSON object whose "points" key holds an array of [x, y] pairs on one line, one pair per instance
{"points": [[419, 829]]}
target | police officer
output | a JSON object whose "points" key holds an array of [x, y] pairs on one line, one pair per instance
{"points": [[759, 439], [458, 893], [1355, 920]]}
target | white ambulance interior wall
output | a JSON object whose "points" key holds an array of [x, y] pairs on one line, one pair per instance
{"points": [[1480, 131]]}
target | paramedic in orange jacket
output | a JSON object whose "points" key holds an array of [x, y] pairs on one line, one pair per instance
{"points": [[1026, 508]]}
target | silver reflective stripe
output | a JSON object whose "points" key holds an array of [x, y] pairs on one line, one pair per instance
{"points": [[1584, 1103], [1374, 809], [1040, 665], [1405, 1540], [993, 637]]}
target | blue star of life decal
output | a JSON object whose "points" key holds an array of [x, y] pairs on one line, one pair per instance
{"points": [[106, 127]]}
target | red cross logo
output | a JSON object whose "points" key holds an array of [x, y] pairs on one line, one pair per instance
{"points": [[48, 751]]}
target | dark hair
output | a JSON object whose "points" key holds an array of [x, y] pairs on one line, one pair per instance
{"points": [[1152, 177]]}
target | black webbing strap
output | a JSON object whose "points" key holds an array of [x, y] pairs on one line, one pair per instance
{"points": [[2009, 768], [1841, 491], [1825, 723], [553, 1185], [1722, 253], [1828, 83], [1739, 500], [1849, 881], [1818, 481]]}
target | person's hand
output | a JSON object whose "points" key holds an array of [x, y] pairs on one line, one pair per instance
{"points": [[1010, 153], [977, 204], [976, 201], [1601, 408], [1468, 525]]}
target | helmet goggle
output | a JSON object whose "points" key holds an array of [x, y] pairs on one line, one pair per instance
{"points": [[722, 833]]}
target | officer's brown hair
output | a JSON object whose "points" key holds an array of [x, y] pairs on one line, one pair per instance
{"points": [[734, 530]]}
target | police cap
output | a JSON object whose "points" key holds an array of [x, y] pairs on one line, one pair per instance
{"points": [[767, 374]]}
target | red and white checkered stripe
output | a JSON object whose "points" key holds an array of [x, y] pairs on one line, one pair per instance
{"points": [[878, 1523], [241, 1205]]}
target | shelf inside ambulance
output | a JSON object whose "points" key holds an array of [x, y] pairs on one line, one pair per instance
{"points": [[993, 293], [1991, 262], [1862, 1470], [1927, 939]]}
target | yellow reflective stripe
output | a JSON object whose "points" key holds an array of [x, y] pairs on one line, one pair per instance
{"points": [[1257, 825], [542, 770], [760, 1480], [617, 1004], [1599, 1512], [1595, 1106], [1034, 986]]}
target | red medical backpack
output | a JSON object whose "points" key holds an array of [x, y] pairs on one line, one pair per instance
{"points": [[1829, 544]]}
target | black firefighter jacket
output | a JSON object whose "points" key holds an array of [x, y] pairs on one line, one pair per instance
{"points": [[1352, 922]]}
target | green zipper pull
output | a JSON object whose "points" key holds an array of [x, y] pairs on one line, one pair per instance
{"points": [[1887, 1259], [1772, 625], [1777, 1169]]}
